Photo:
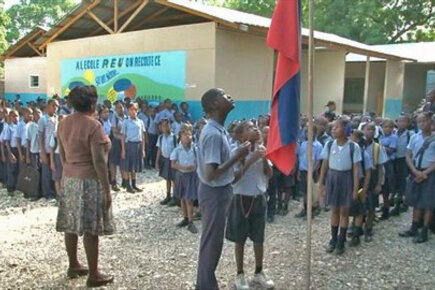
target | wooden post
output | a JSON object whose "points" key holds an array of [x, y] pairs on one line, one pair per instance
{"points": [[35, 49], [310, 144], [99, 21], [366, 85], [135, 13], [115, 16]]}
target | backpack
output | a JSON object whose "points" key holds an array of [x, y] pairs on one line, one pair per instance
{"points": [[376, 150], [161, 141], [352, 149], [421, 151]]}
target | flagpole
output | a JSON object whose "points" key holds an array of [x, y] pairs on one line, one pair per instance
{"points": [[310, 142]]}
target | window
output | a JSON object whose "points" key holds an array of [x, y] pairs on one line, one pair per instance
{"points": [[34, 81]]}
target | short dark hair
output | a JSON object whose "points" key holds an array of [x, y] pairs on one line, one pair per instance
{"points": [[209, 97], [83, 98]]}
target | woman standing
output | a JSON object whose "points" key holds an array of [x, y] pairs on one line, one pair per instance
{"points": [[85, 200]]}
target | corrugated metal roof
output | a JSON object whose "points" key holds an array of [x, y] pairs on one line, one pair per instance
{"points": [[238, 17], [85, 27], [423, 52]]}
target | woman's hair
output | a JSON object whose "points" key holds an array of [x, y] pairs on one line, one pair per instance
{"points": [[330, 103], [359, 136], [83, 98], [101, 109], [388, 121], [241, 127], [186, 128], [346, 125], [133, 105], [369, 124]]}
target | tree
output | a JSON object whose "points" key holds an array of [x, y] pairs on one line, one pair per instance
{"points": [[29, 14], [368, 21], [4, 22]]}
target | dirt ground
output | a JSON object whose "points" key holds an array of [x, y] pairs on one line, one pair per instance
{"points": [[149, 252]]}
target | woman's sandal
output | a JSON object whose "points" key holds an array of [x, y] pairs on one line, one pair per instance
{"points": [[75, 273], [101, 281]]}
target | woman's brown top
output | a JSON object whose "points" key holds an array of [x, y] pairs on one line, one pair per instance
{"points": [[77, 133]]}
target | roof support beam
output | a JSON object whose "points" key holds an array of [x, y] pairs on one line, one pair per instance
{"points": [[122, 14], [22, 44], [115, 15], [71, 22], [133, 16], [174, 17], [99, 21], [35, 49], [151, 17]]}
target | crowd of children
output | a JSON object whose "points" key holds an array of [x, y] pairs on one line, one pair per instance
{"points": [[361, 164]]}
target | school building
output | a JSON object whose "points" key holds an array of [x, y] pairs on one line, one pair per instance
{"points": [[158, 49]]}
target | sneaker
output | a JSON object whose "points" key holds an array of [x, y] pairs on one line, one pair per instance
{"points": [[368, 236], [355, 241], [241, 283], [262, 279], [403, 208], [165, 201], [316, 211], [137, 189], [192, 228], [115, 188], [340, 248], [412, 232], [326, 208], [331, 246], [172, 202], [183, 223], [130, 189], [284, 210], [270, 219], [51, 200], [385, 214], [301, 214], [422, 237], [197, 216], [395, 211]]}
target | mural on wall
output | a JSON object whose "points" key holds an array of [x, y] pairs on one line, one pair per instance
{"points": [[151, 76]]}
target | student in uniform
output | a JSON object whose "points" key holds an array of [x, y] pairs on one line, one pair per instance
{"points": [[143, 115], [339, 169], [3, 148], [272, 187], [378, 158], [133, 147], [2, 161], [166, 112], [183, 159], [152, 136], [247, 214], [27, 116], [186, 117], [176, 125], [215, 172], [10, 139], [303, 171], [421, 183], [389, 141], [166, 143], [46, 127], [358, 209], [32, 148], [115, 151], [400, 167], [55, 162], [321, 124], [104, 117]]}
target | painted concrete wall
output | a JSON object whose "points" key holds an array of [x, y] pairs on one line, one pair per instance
{"points": [[244, 68], [197, 40], [329, 72], [376, 82], [393, 90], [17, 77], [415, 85]]}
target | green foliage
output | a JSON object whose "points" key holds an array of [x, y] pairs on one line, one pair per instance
{"points": [[29, 14], [368, 21]]}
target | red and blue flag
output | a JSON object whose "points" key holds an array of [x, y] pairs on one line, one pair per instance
{"points": [[285, 37]]}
